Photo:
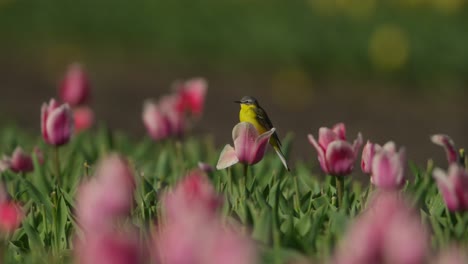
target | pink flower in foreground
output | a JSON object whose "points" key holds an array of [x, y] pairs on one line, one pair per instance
{"points": [[56, 123], [192, 193], [192, 96], [109, 195], [84, 118], [335, 154], [368, 154], [388, 167], [249, 146], [452, 255], [389, 231], [453, 186], [10, 216], [74, 88], [446, 142]]}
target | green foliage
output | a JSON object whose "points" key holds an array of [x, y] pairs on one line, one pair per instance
{"points": [[292, 216]]}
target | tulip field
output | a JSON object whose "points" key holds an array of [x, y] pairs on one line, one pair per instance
{"points": [[82, 193]]}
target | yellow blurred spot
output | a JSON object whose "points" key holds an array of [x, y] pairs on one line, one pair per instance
{"points": [[448, 6], [292, 89], [388, 47]]}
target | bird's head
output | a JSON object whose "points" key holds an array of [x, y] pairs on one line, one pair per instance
{"points": [[247, 100]]}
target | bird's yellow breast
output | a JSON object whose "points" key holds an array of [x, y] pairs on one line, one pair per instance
{"points": [[247, 114]]}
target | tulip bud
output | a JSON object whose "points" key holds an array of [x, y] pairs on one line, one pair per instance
{"points": [[83, 117], [453, 186], [56, 123], [388, 167], [74, 88]]}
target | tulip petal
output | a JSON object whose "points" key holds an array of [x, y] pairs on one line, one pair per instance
{"points": [[227, 157], [367, 155], [326, 136], [446, 142], [340, 158], [156, 123], [357, 143], [257, 152], [59, 125], [387, 170], [320, 153], [244, 135], [447, 189], [340, 130], [390, 147]]}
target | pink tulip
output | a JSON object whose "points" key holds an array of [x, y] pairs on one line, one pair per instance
{"points": [[109, 248], [388, 167], [368, 154], [56, 123], [192, 96], [446, 142], [193, 193], [389, 231], [168, 105], [452, 255], [109, 195], [453, 186], [74, 88], [84, 118], [157, 124], [20, 161], [335, 154], [249, 146], [10, 216]]}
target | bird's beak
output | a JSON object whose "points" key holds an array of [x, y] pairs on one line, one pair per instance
{"points": [[237, 102]]}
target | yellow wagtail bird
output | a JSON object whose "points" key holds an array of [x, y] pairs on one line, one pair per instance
{"points": [[253, 113]]}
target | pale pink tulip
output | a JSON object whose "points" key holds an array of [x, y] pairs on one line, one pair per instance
{"points": [[74, 88], [84, 118], [453, 186], [249, 147], [192, 96], [156, 122], [388, 167], [109, 195], [11, 216], [389, 231], [368, 154], [335, 154], [56, 123], [193, 193], [446, 142], [168, 105]]}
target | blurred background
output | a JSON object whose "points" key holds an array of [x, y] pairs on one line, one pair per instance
{"points": [[392, 69]]}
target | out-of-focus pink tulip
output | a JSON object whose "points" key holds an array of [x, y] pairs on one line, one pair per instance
{"points": [[368, 154], [335, 154], [56, 123], [74, 88], [205, 167], [193, 193], [389, 231], [168, 105], [249, 146], [453, 186], [452, 255], [156, 123], [446, 142], [84, 118], [109, 248], [20, 161], [192, 96], [388, 167], [10, 216], [107, 196]]}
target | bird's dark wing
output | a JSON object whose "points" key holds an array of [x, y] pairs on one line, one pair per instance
{"points": [[263, 119]]}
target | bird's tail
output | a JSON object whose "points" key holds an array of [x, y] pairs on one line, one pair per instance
{"points": [[281, 156]]}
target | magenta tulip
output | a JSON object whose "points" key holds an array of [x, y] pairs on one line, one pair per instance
{"points": [[249, 147], [453, 186], [335, 154], [388, 167], [83, 118], [368, 154], [389, 231], [74, 88], [168, 105], [20, 161], [192, 96], [156, 123], [11, 216], [447, 143], [56, 123]]}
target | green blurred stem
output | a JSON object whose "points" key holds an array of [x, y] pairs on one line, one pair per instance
{"points": [[246, 172], [339, 181], [297, 196], [57, 165]]}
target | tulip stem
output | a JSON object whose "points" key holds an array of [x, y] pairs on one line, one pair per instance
{"points": [[57, 165], [297, 196], [246, 172], [339, 180]]}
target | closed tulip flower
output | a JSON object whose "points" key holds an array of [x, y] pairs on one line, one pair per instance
{"points": [[74, 88], [453, 187], [83, 118], [447, 143], [388, 167], [56, 123], [335, 154], [368, 154], [249, 147], [192, 96]]}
